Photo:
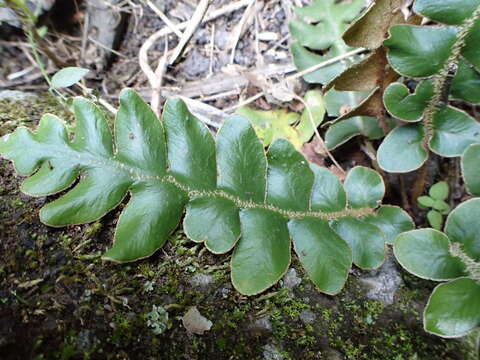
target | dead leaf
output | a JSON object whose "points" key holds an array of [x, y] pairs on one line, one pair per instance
{"points": [[380, 16], [283, 91], [406, 11], [258, 80], [195, 323], [341, 175], [372, 106], [29, 284], [314, 153], [366, 75], [206, 113], [268, 36]]}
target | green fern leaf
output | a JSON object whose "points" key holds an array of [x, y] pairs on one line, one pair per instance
{"points": [[236, 196]]}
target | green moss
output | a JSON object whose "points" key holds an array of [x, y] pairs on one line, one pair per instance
{"points": [[16, 203], [147, 270], [124, 329], [221, 344], [93, 229], [28, 112], [66, 240], [327, 314], [220, 276]]}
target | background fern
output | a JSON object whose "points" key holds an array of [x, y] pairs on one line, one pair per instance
{"points": [[446, 60]]}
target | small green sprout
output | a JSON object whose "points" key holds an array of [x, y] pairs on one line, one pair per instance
{"points": [[435, 203]]}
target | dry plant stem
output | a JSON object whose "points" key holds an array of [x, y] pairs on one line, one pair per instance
{"points": [[220, 95], [420, 182], [107, 48], [239, 28], [28, 55], [403, 190], [24, 82], [212, 51], [86, 24], [317, 134], [300, 74], [208, 114], [326, 63], [260, 58], [224, 83], [165, 19], [209, 16], [276, 44], [245, 102], [143, 54], [14, 43], [192, 26], [156, 88], [21, 73], [287, 6], [103, 102], [143, 59], [44, 47]]}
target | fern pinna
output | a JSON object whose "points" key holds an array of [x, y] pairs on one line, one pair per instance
{"points": [[235, 195]]}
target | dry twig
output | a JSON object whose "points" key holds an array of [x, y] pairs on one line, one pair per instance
{"points": [[239, 29], [300, 74], [192, 26], [165, 19], [209, 16], [143, 54], [157, 86], [317, 134]]}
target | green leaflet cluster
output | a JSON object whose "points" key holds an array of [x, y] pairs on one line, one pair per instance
{"points": [[446, 59], [235, 195], [454, 257]]}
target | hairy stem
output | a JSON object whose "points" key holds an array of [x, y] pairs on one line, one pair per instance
{"points": [[248, 204], [473, 267], [442, 81], [139, 175]]}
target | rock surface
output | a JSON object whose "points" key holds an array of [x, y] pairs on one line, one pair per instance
{"points": [[271, 352], [290, 280], [202, 282], [196, 323], [261, 326], [16, 95], [382, 284]]}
